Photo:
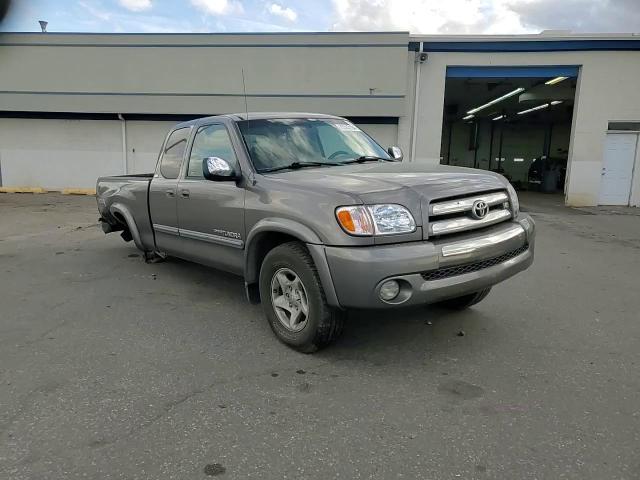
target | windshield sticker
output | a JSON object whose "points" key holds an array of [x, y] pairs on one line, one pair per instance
{"points": [[347, 127]]}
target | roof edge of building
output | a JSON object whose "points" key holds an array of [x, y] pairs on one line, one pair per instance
{"points": [[537, 37]]}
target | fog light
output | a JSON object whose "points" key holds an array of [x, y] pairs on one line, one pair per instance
{"points": [[389, 290]]}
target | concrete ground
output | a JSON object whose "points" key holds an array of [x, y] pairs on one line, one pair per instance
{"points": [[113, 368]]}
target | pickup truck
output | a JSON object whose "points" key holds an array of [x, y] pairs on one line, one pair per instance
{"points": [[318, 218]]}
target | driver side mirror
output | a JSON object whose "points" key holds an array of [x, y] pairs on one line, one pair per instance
{"points": [[218, 169], [395, 153]]}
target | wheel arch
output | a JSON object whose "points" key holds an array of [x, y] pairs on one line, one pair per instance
{"points": [[271, 232], [122, 213]]}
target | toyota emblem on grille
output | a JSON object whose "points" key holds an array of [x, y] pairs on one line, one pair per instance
{"points": [[479, 209]]}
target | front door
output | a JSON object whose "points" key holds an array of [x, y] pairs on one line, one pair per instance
{"points": [[211, 213], [617, 168], [163, 192]]}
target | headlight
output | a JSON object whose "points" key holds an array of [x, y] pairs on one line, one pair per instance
{"points": [[389, 219], [381, 219], [513, 198]]}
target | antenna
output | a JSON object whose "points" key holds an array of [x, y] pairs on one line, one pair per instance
{"points": [[244, 91], [246, 110]]}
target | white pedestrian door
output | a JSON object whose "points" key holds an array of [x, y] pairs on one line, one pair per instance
{"points": [[617, 168]]}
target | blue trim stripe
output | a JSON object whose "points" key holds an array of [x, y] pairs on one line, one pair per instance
{"points": [[171, 94], [545, 71], [532, 46]]}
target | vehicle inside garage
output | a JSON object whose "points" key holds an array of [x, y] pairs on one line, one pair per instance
{"points": [[515, 121]]}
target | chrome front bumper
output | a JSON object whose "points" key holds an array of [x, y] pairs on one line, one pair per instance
{"points": [[358, 272]]}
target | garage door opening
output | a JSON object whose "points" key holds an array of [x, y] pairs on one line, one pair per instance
{"points": [[511, 120]]}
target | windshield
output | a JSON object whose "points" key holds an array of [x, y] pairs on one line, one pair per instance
{"points": [[278, 143]]}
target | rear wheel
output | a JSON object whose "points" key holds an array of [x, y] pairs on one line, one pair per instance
{"points": [[293, 299], [465, 301]]}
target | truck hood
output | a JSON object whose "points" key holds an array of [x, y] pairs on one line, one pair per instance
{"points": [[413, 185], [375, 181]]}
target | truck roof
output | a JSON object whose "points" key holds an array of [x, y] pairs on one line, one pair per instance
{"points": [[237, 117]]}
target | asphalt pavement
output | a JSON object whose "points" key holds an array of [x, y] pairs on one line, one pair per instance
{"points": [[114, 368]]}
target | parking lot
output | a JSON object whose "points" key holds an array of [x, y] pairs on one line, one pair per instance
{"points": [[114, 368]]}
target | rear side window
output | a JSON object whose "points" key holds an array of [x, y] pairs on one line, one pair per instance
{"points": [[210, 141], [173, 153]]}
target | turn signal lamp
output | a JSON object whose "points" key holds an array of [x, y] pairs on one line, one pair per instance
{"points": [[355, 220]]}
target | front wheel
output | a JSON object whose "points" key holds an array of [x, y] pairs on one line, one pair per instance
{"points": [[293, 299], [465, 301]]}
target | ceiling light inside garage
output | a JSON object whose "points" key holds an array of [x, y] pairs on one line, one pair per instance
{"points": [[499, 99], [539, 107], [500, 117], [468, 117], [556, 102], [553, 81]]}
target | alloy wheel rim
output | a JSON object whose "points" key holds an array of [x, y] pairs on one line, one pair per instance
{"points": [[289, 299]]}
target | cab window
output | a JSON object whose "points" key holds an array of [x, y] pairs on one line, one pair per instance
{"points": [[173, 153], [210, 141], [333, 140]]}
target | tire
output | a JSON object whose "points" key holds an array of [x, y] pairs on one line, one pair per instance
{"points": [[321, 324], [466, 301]]}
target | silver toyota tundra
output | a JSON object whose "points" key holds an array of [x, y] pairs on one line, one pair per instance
{"points": [[318, 218]]}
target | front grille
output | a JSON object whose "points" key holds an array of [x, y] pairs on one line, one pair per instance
{"points": [[447, 272], [459, 215]]}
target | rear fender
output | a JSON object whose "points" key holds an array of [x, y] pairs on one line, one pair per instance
{"points": [[131, 224]]}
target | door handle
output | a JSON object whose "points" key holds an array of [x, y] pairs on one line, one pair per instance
{"points": [[185, 193], [170, 193]]}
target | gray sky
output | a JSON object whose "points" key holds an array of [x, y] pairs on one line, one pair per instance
{"points": [[488, 16]]}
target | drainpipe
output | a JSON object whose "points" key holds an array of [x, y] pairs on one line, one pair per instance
{"points": [[420, 59], [124, 144]]}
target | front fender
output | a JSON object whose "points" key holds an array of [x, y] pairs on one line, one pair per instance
{"points": [[271, 225], [296, 230], [284, 225]]}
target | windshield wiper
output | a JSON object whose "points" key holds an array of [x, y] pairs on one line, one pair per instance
{"points": [[298, 165], [366, 158]]}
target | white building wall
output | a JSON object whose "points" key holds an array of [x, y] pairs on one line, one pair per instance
{"points": [[58, 154], [405, 124], [144, 140], [385, 135], [347, 74], [607, 91], [357, 75]]}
